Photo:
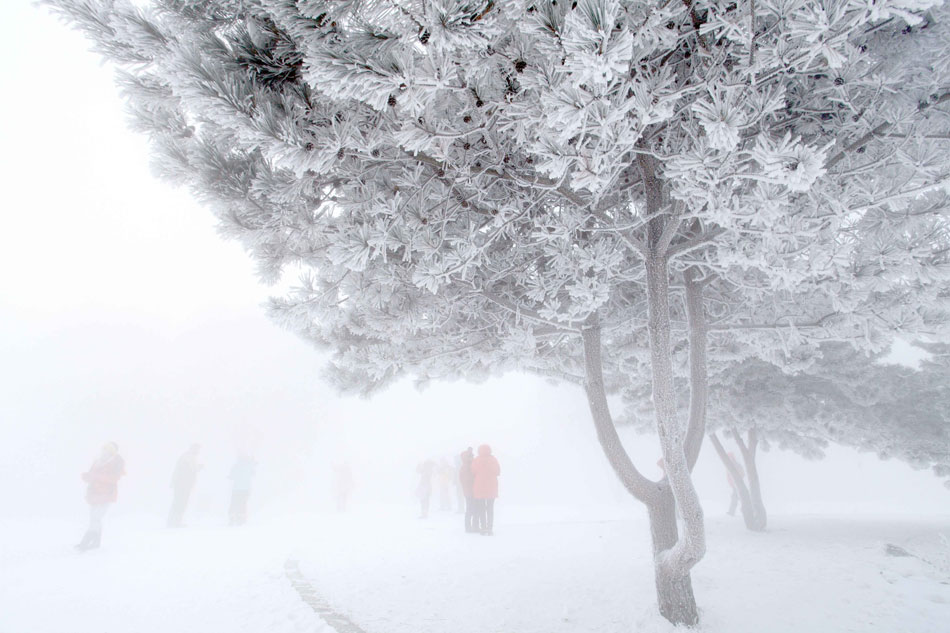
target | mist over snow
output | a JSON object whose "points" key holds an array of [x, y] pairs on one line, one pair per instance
{"points": [[130, 313]]}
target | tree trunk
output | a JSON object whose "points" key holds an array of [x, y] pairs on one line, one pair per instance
{"points": [[755, 490], [690, 548], [698, 378], [674, 592], [636, 484], [753, 510]]}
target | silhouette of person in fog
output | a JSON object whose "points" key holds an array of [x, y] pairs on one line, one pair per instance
{"points": [[457, 484], [424, 489], [466, 483], [183, 481], [242, 473], [445, 475], [486, 470], [102, 488]]}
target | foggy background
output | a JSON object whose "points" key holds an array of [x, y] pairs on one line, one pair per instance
{"points": [[124, 317]]}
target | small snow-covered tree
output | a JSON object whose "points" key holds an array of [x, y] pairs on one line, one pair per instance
{"points": [[471, 185], [842, 396]]}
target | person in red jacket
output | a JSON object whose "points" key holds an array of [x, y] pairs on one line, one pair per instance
{"points": [[485, 471], [467, 483], [102, 488]]}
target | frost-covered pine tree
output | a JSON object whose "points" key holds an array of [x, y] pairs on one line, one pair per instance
{"points": [[470, 186], [842, 396]]}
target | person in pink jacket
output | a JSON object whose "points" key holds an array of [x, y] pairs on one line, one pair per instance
{"points": [[102, 488], [485, 471]]}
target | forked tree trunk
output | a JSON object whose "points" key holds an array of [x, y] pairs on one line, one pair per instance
{"points": [[750, 497], [691, 546], [749, 454], [674, 591], [674, 555]]}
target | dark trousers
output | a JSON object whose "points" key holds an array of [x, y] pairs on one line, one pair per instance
{"points": [[237, 513], [471, 514], [485, 514], [179, 503]]}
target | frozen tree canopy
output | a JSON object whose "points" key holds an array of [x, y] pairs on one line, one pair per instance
{"points": [[845, 397], [833, 401], [571, 188]]}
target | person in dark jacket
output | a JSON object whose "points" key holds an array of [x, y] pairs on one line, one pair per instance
{"points": [[242, 473], [102, 488], [183, 481], [486, 470], [467, 481]]}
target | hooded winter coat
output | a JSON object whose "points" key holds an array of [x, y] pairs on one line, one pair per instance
{"points": [[485, 470], [103, 479]]}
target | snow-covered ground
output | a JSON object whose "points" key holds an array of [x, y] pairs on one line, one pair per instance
{"points": [[148, 580], [545, 570]]}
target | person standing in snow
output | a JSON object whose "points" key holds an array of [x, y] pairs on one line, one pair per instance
{"points": [[485, 471], [242, 473], [466, 483], [424, 489], [183, 481], [734, 501], [102, 488], [457, 484]]}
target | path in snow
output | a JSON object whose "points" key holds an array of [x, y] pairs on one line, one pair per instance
{"points": [[339, 622]]}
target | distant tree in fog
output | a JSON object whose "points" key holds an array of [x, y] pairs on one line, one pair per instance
{"points": [[843, 396], [580, 189]]}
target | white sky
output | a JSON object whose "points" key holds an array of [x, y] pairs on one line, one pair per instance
{"points": [[124, 316]]}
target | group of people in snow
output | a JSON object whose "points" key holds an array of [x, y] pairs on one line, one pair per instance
{"points": [[475, 479], [102, 488], [186, 474]]}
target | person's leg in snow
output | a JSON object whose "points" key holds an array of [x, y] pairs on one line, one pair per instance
{"points": [[424, 504], [733, 503], [471, 515], [179, 503], [487, 517], [481, 521], [237, 513], [93, 536]]}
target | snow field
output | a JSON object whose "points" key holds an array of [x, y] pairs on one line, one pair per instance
{"points": [[545, 570], [148, 580], [812, 573]]}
